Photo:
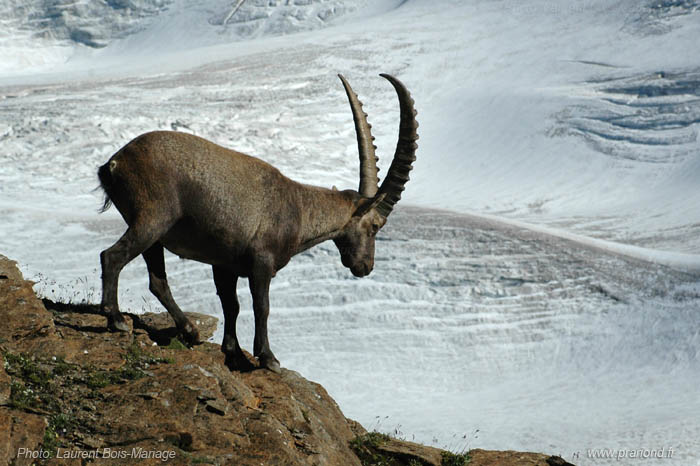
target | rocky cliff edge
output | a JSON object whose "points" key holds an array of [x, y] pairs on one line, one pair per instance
{"points": [[73, 393]]}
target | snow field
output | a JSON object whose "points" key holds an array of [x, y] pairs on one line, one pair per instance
{"points": [[578, 122]]}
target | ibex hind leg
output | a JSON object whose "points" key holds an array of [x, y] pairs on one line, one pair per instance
{"points": [[137, 238], [259, 283], [225, 282], [158, 284]]}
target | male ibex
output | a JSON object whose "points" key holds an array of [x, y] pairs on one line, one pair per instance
{"points": [[242, 216]]}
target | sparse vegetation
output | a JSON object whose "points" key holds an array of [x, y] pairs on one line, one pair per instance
{"points": [[61, 422], [31, 387], [136, 362], [365, 447], [58, 425], [176, 344], [368, 449], [35, 388], [78, 292], [453, 459], [51, 442], [371, 439], [27, 369], [61, 367], [100, 379], [48, 386], [21, 397]]}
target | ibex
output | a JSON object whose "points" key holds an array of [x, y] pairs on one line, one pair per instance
{"points": [[242, 216]]}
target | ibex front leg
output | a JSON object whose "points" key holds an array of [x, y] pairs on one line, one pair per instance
{"points": [[260, 289], [225, 282]]}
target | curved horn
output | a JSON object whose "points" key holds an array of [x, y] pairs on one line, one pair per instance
{"points": [[405, 154], [369, 182]]}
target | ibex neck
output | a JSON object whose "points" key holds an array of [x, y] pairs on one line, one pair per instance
{"points": [[324, 214]]}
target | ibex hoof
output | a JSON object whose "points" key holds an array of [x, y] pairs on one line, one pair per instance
{"points": [[271, 363], [117, 324], [190, 335], [239, 363]]}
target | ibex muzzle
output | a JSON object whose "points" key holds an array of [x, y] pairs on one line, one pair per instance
{"points": [[242, 216]]}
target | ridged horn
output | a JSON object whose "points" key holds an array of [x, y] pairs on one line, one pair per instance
{"points": [[405, 154], [369, 182]]}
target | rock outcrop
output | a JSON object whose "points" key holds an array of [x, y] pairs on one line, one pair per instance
{"points": [[71, 392]]}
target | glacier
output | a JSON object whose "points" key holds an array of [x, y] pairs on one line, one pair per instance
{"points": [[536, 289]]}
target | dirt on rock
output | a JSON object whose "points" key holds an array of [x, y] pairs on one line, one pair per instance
{"points": [[71, 392]]}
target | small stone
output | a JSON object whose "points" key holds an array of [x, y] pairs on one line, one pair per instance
{"points": [[217, 407], [205, 395]]}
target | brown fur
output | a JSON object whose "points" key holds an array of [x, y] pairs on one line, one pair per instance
{"points": [[210, 204]]}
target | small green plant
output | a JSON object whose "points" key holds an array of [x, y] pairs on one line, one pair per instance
{"points": [[365, 447], [50, 442], [128, 372], [58, 423], [136, 357], [136, 362], [176, 344], [31, 388], [21, 397], [61, 422], [370, 449], [133, 354], [27, 369], [375, 439], [61, 367], [453, 459], [459, 445], [100, 379]]}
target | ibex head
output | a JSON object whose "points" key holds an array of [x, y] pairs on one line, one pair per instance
{"points": [[374, 203]]}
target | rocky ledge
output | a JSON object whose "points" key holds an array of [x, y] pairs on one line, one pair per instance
{"points": [[73, 393]]}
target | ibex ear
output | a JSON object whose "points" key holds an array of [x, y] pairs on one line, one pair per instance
{"points": [[367, 204], [334, 188]]}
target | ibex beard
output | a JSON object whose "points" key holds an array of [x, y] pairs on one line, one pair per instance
{"points": [[242, 216]]}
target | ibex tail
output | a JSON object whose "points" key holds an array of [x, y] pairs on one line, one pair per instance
{"points": [[104, 173]]}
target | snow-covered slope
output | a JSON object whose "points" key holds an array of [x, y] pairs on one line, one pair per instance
{"points": [[579, 119], [42, 35], [38, 34], [582, 117], [572, 116]]}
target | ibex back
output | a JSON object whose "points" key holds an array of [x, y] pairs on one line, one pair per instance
{"points": [[242, 216]]}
